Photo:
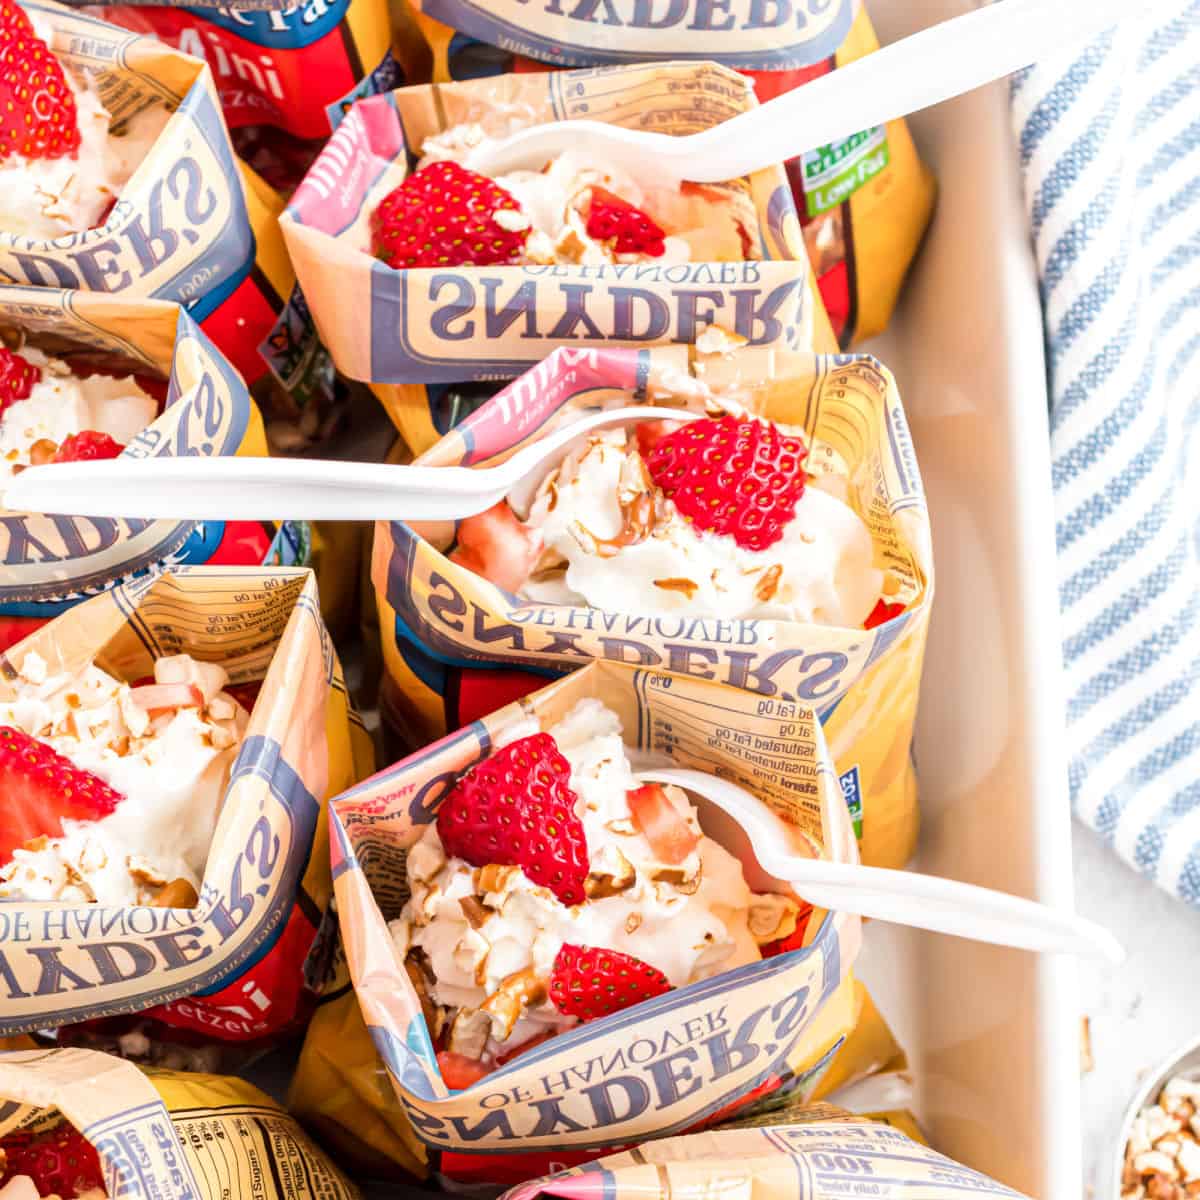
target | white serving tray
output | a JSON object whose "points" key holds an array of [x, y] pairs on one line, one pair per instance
{"points": [[993, 1035]]}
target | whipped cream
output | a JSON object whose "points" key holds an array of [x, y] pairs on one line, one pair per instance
{"points": [[691, 920], [62, 403], [821, 571], [171, 767], [48, 197], [698, 224]]}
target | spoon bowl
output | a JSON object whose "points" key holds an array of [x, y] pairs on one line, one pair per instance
{"points": [[901, 897]]}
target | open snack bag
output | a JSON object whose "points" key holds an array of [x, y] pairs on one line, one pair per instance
{"points": [[285, 74], [811, 587], [137, 192], [84, 375], [166, 749], [581, 254], [864, 201], [78, 1123], [553, 956], [819, 1153]]}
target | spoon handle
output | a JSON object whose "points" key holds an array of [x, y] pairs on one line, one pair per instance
{"points": [[960, 909], [248, 489], [924, 69]]}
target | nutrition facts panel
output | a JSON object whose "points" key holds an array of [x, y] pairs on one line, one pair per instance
{"points": [[248, 1152]]}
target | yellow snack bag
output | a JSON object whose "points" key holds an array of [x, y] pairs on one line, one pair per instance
{"points": [[864, 201], [421, 330], [231, 964], [819, 1153], [686, 1057], [191, 224], [455, 644], [155, 1135]]}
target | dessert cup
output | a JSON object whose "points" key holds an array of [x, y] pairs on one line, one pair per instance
{"points": [[229, 964], [454, 643], [448, 325], [190, 224], [773, 1024]]}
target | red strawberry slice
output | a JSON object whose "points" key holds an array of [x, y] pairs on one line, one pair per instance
{"points": [[626, 228], [497, 546], [13, 16], [516, 808], [17, 377], [445, 216], [85, 446], [39, 788], [662, 816], [882, 613], [38, 118], [731, 475], [61, 1162], [459, 1071], [589, 983], [650, 433]]}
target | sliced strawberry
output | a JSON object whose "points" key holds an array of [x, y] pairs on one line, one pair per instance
{"points": [[38, 118], [13, 16], [662, 814], [516, 808], [882, 613], [589, 983], [17, 377], [82, 447], [445, 216], [795, 939], [61, 1162], [730, 475], [39, 789], [650, 433], [155, 697], [625, 228], [459, 1071], [497, 546]]}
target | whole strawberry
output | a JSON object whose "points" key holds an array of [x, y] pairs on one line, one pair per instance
{"points": [[17, 377], [85, 446], [61, 1162], [517, 809], [731, 475], [589, 983], [627, 229], [446, 216], [40, 788], [38, 118]]}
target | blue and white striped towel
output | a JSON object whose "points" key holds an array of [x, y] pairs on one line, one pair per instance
{"points": [[1110, 149]]}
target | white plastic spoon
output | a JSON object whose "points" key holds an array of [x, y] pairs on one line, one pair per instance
{"points": [[303, 489], [936, 64], [901, 897]]}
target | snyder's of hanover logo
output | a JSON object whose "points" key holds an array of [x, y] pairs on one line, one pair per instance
{"points": [[693, 1057], [643, 302], [700, 16], [143, 246], [737, 652], [61, 957]]}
